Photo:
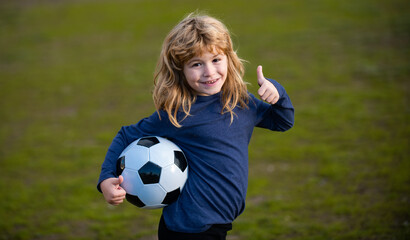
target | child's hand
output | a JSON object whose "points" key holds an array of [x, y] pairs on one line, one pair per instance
{"points": [[267, 90], [113, 193]]}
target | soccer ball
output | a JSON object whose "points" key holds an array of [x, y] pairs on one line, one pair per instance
{"points": [[155, 171]]}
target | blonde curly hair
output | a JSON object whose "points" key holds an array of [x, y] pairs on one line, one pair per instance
{"points": [[193, 36]]}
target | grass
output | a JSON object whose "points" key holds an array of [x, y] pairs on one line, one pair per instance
{"points": [[73, 72]]}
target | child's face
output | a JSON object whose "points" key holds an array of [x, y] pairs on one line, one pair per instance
{"points": [[206, 74]]}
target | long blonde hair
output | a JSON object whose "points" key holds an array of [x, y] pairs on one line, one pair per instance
{"points": [[191, 37]]}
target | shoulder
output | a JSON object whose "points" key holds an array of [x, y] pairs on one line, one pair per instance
{"points": [[156, 119], [151, 125]]}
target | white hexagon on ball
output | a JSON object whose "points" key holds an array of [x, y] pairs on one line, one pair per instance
{"points": [[172, 178]]}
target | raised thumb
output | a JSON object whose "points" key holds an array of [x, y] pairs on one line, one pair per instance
{"points": [[260, 76]]}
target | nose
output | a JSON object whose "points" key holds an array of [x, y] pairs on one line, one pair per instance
{"points": [[209, 70]]}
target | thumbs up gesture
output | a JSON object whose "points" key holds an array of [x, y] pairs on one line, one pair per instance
{"points": [[113, 193], [267, 90]]}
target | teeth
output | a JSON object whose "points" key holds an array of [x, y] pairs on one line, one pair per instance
{"points": [[210, 82]]}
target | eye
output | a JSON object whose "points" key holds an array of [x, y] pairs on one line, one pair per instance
{"points": [[216, 60], [196, 64]]}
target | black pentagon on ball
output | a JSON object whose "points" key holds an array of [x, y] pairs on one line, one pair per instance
{"points": [[120, 165], [148, 141], [180, 160], [150, 173], [134, 200], [171, 196]]}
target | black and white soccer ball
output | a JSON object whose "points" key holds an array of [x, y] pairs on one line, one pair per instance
{"points": [[155, 171]]}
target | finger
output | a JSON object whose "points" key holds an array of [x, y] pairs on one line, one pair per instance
{"points": [[270, 98], [262, 90], [259, 75], [117, 181], [116, 193], [118, 196], [275, 100], [116, 202], [118, 199], [120, 193], [120, 179], [266, 96]]}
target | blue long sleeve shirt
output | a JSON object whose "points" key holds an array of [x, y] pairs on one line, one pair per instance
{"points": [[217, 153]]}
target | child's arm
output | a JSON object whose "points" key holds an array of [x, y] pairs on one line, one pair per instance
{"points": [[108, 169], [113, 193], [109, 180], [278, 115]]}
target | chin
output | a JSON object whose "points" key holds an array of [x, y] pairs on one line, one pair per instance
{"points": [[212, 92]]}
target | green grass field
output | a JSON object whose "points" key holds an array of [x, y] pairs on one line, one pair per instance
{"points": [[73, 72]]}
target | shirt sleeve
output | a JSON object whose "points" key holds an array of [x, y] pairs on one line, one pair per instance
{"points": [[276, 117], [126, 135]]}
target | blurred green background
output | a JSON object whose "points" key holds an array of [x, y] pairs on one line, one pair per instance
{"points": [[73, 72]]}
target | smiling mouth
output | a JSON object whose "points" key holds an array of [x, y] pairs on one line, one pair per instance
{"points": [[210, 81]]}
